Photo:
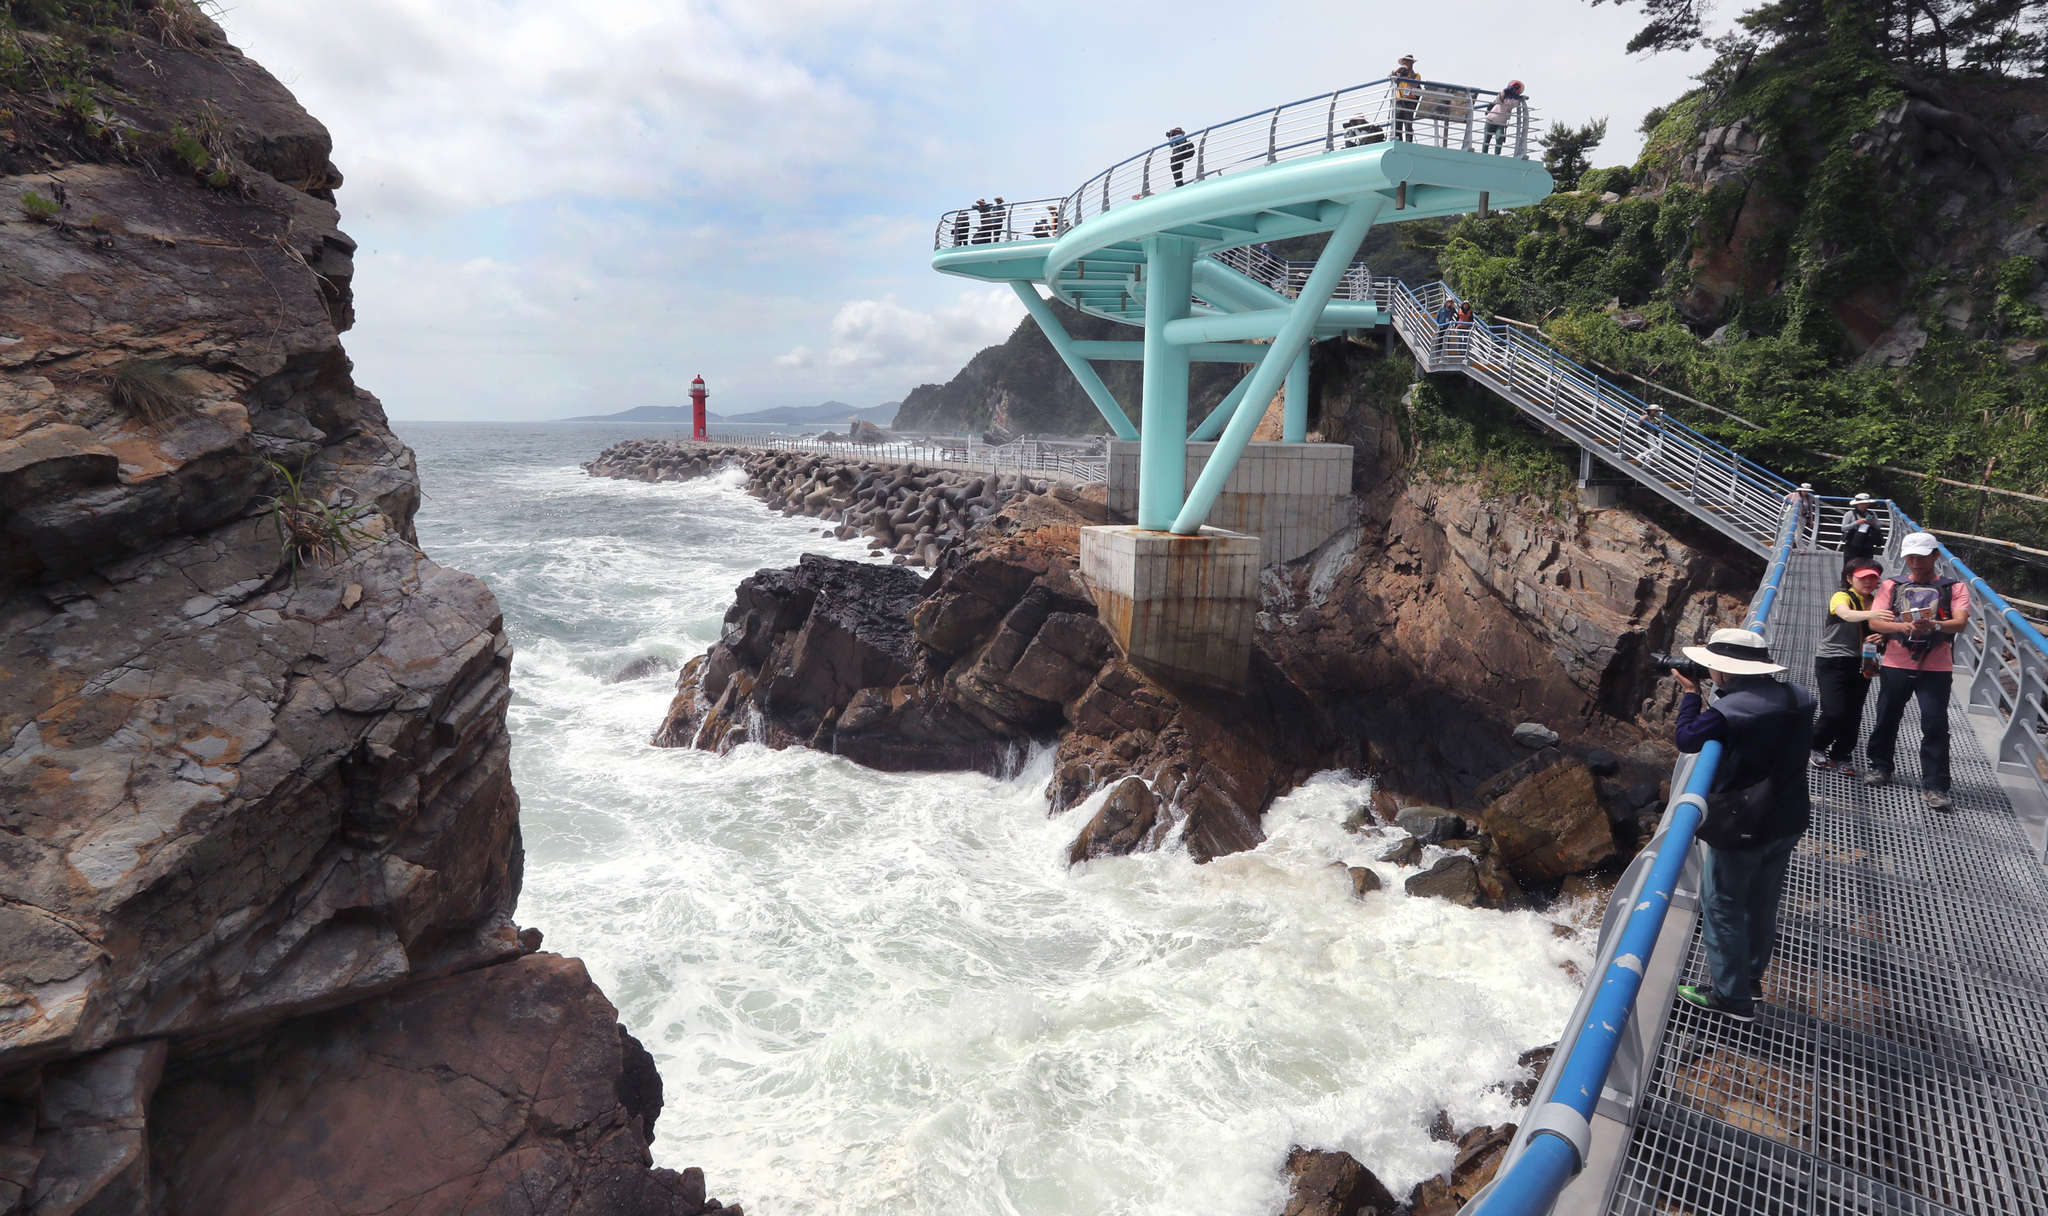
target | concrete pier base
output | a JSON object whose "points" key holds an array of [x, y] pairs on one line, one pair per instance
{"points": [[1181, 606], [1292, 496], [1596, 495]]}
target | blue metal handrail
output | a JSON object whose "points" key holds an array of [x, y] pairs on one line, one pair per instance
{"points": [[1559, 1131]]}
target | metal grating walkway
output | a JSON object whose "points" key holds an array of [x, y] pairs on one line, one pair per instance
{"points": [[1899, 1062]]}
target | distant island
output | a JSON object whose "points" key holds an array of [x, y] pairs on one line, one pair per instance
{"points": [[831, 411]]}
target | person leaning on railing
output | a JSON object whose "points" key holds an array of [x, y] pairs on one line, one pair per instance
{"points": [[1757, 808], [1499, 115]]}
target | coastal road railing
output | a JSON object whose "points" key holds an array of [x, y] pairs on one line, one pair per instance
{"points": [[1555, 1142], [1403, 111], [2002, 657], [1025, 457]]}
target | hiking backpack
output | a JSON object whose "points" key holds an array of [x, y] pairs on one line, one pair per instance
{"points": [[1938, 595]]}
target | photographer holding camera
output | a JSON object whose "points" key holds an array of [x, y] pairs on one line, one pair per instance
{"points": [[1924, 613], [1757, 807]]}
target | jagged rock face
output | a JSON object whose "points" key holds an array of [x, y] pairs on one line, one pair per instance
{"points": [[1003, 647], [235, 788], [439, 1116], [1446, 617]]}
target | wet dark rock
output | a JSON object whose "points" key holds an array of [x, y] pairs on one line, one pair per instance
{"points": [[1407, 853], [1551, 824], [1128, 816], [1452, 878], [1603, 762], [1325, 1182], [1508, 778], [1430, 824], [640, 669], [1534, 1061], [1363, 882], [1480, 1152]]}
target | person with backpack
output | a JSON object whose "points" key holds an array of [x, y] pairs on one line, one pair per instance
{"points": [[1838, 665], [1862, 535], [1922, 614], [1757, 809], [1183, 152]]}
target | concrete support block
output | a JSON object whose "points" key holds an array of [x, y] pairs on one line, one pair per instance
{"points": [[1595, 497], [1181, 606], [1293, 496]]}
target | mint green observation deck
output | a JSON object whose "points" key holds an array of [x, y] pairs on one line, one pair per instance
{"points": [[1168, 240]]}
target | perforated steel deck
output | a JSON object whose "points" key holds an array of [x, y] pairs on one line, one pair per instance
{"points": [[1899, 1062]]}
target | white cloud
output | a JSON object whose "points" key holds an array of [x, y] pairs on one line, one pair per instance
{"points": [[875, 335], [569, 208]]}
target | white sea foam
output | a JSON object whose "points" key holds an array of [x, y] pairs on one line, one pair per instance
{"points": [[887, 993]]}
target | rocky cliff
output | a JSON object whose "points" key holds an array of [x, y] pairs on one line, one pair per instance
{"points": [[261, 845], [1409, 645]]}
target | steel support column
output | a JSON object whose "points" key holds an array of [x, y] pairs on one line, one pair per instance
{"points": [[1294, 410], [1224, 408], [1290, 345], [1055, 333], [1163, 444]]}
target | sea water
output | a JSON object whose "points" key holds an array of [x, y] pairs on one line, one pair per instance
{"points": [[888, 993]]}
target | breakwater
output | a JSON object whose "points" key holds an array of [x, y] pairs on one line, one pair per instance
{"points": [[915, 511]]}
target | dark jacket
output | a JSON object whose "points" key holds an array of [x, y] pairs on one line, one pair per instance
{"points": [[1765, 729], [1862, 535]]}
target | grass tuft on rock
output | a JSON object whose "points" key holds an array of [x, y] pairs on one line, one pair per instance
{"points": [[154, 390], [308, 530]]}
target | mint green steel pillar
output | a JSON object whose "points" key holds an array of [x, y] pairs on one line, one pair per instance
{"points": [[1289, 345], [1294, 411], [1163, 416], [1224, 408], [1055, 333]]}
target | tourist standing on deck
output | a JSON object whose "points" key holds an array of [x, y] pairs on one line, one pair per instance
{"points": [[1407, 95], [1923, 613], [1862, 535], [1498, 115], [1183, 152], [1757, 808], [1801, 502], [1838, 665], [1446, 313]]}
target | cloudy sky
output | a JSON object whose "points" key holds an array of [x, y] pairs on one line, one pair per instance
{"points": [[573, 208]]}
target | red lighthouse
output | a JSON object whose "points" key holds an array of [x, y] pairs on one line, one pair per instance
{"points": [[697, 395]]}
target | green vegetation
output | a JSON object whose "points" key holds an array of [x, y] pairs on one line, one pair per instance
{"points": [[1567, 149], [38, 208], [56, 61], [310, 530], [1759, 293], [1454, 427]]}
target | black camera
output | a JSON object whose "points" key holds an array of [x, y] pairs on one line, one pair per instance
{"points": [[1680, 664]]}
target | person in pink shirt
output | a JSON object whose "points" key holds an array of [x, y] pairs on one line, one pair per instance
{"points": [[1926, 612]]}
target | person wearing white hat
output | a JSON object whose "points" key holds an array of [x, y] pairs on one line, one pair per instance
{"points": [[1801, 501], [1862, 535], [1757, 808], [1926, 611], [1407, 84]]}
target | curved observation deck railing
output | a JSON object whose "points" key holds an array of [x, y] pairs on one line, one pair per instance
{"points": [[993, 223], [1425, 112]]}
